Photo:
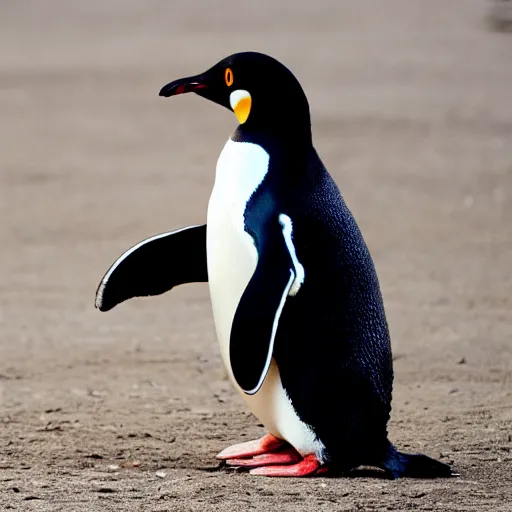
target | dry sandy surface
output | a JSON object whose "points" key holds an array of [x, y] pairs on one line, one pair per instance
{"points": [[412, 107]]}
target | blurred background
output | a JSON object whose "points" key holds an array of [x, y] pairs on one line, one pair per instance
{"points": [[411, 104]]}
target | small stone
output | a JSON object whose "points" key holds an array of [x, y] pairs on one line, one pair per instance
{"points": [[130, 464], [113, 467], [161, 474]]}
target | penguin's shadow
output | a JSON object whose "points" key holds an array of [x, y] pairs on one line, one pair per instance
{"points": [[353, 473], [365, 473]]}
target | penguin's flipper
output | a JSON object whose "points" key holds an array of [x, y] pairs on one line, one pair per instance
{"points": [[154, 266], [278, 274]]}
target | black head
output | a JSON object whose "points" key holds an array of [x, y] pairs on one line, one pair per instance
{"points": [[263, 94]]}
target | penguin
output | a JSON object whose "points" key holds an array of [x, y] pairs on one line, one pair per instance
{"points": [[296, 300]]}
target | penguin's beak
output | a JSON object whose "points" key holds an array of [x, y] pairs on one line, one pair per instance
{"points": [[203, 85], [183, 85]]}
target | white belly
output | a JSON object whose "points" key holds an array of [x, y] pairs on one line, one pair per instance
{"points": [[232, 259]]}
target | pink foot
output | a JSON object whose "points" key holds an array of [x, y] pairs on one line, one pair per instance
{"points": [[268, 443], [286, 455], [309, 465]]}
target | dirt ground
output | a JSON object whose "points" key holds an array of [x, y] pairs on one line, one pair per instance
{"points": [[412, 114]]}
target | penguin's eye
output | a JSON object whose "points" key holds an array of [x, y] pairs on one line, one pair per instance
{"points": [[228, 77]]}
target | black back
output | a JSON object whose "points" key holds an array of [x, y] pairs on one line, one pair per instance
{"points": [[332, 345]]}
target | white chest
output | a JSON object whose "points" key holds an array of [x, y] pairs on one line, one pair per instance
{"points": [[232, 260], [232, 256]]}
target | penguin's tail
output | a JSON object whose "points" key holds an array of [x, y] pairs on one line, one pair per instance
{"points": [[399, 464]]}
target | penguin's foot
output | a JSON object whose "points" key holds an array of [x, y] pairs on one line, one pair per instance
{"points": [[268, 443], [287, 455], [271, 456], [308, 466]]}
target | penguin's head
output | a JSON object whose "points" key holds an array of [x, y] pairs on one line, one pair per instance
{"points": [[257, 88]]}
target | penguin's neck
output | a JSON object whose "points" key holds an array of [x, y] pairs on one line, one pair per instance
{"points": [[288, 159], [291, 139]]}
